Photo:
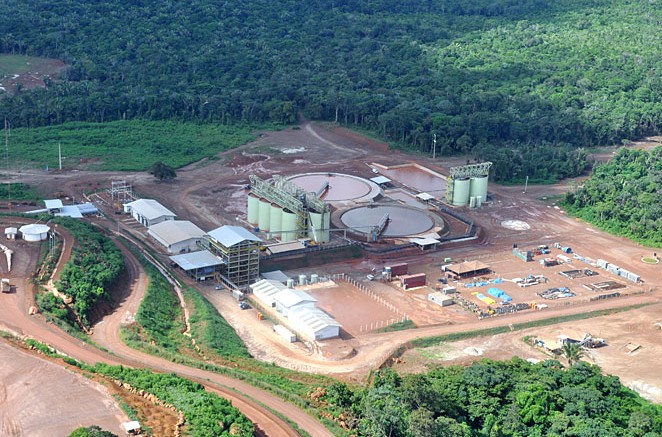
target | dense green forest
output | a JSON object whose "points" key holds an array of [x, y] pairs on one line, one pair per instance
{"points": [[624, 196], [94, 267], [492, 398], [522, 83]]}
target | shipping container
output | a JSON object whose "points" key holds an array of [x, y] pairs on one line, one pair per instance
{"points": [[399, 269]]}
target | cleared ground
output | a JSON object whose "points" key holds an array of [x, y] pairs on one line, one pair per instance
{"points": [[40, 398]]}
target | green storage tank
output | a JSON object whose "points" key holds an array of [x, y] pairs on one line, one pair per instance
{"points": [[461, 190], [318, 228], [264, 214], [479, 187], [275, 219], [288, 226], [253, 210]]}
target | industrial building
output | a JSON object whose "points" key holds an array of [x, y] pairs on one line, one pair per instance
{"points": [[239, 250], [201, 265], [148, 212], [287, 211], [177, 236], [467, 185], [314, 324], [467, 269]]}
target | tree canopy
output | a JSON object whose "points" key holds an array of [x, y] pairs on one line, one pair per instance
{"points": [[522, 83], [624, 196]]}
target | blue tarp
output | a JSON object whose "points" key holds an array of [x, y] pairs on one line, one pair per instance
{"points": [[495, 292], [497, 281]]}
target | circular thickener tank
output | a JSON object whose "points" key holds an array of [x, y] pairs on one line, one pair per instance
{"points": [[340, 186], [275, 218], [461, 190], [264, 215], [253, 209], [403, 221], [479, 187], [288, 226]]}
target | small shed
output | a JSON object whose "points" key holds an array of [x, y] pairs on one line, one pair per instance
{"points": [[11, 232], [132, 427], [425, 243], [276, 275], [288, 335], [425, 197], [381, 180], [34, 232], [440, 299], [53, 205]]}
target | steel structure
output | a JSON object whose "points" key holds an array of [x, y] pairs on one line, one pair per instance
{"points": [[465, 172], [120, 191], [242, 261], [291, 197]]}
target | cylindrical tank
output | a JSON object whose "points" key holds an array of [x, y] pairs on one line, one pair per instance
{"points": [[275, 218], [302, 279], [479, 187], [472, 202], [461, 190], [253, 209], [318, 228], [314, 278], [34, 232], [288, 226], [264, 214], [290, 283]]}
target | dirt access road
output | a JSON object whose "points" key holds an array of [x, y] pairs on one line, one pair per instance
{"points": [[250, 400]]}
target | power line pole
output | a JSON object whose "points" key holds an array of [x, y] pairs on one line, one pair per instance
{"points": [[434, 145]]}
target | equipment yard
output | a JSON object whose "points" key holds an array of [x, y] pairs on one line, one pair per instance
{"points": [[467, 251]]}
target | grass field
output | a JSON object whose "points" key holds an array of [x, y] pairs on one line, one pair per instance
{"points": [[17, 64], [131, 145]]}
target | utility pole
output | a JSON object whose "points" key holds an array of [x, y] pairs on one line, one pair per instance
{"points": [[434, 145], [59, 154], [526, 183]]}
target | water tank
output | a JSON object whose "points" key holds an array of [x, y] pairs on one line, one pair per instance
{"points": [[302, 279], [264, 213], [253, 209], [479, 187], [472, 202], [34, 232], [290, 283], [288, 225], [314, 278], [461, 190], [275, 218]]}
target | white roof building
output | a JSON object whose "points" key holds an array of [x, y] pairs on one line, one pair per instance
{"points": [[228, 236], [148, 212], [313, 324], [177, 236], [34, 232], [288, 300], [266, 289]]}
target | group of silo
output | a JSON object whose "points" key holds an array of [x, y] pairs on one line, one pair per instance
{"points": [[270, 217], [470, 191]]}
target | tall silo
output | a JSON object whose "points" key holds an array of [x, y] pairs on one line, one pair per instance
{"points": [[264, 214], [275, 218], [318, 227], [253, 209], [288, 226], [461, 191], [479, 186]]}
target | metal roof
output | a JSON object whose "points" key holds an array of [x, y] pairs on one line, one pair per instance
{"points": [[175, 231], [150, 209], [53, 203], [424, 241], [196, 260], [313, 318], [285, 247], [69, 211], [467, 267], [228, 236], [380, 180], [289, 297], [425, 196], [276, 275]]}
